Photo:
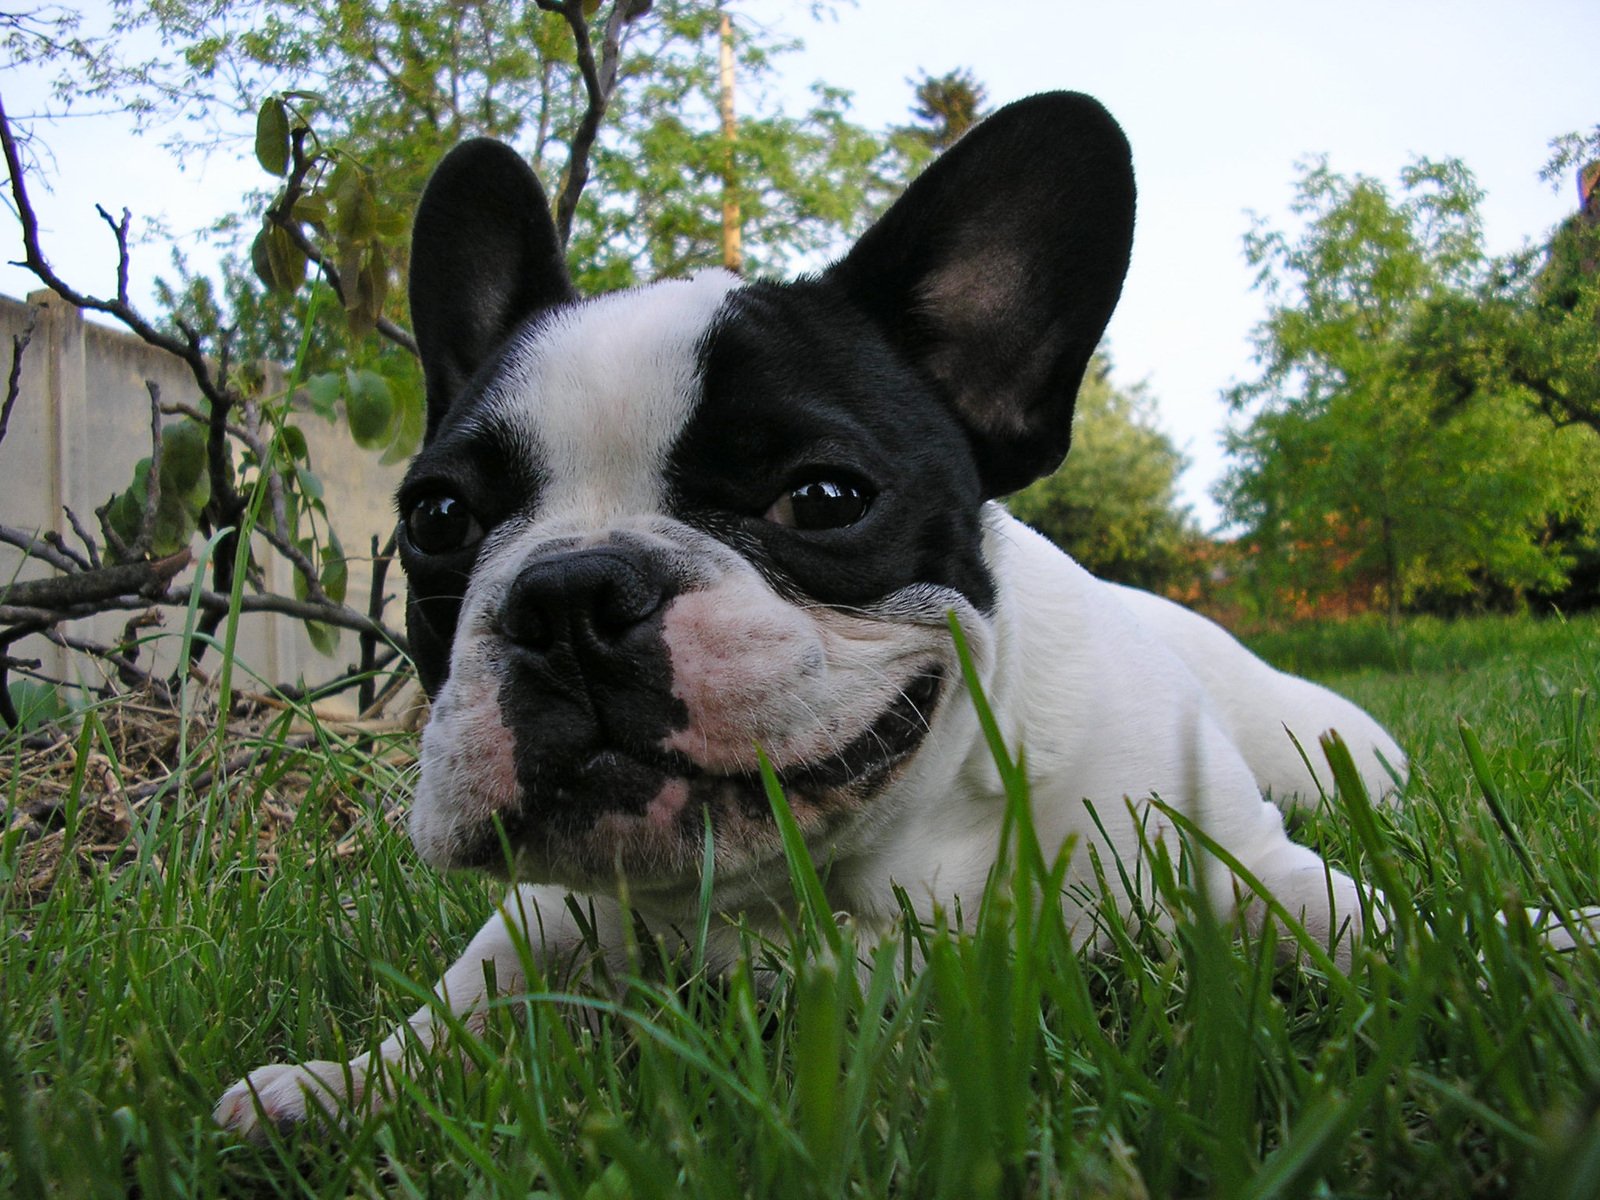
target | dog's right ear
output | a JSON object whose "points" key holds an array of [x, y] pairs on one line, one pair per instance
{"points": [[485, 257]]}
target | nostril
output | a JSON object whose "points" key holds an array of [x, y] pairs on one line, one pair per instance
{"points": [[528, 624], [621, 603]]}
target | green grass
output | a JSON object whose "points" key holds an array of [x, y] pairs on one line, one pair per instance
{"points": [[221, 930]]}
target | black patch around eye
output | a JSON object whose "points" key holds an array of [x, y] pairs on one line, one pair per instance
{"points": [[806, 410]]}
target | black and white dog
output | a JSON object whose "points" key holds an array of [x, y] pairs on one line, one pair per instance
{"points": [[650, 532]]}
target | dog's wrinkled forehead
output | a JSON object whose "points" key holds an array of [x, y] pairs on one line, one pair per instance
{"points": [[597, 393]]}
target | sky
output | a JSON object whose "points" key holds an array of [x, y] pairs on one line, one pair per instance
{"points": [[1220, 100]]}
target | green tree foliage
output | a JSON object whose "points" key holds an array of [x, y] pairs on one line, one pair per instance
{"points": [[1356, 469], [1113, 504], [1534, 320], [946, 106], [355, 100], [380, 90]]}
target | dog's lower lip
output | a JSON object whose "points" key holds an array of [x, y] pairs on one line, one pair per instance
{"points": [[613, 758], [896, 732]]}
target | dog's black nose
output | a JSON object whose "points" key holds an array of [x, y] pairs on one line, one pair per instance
{"points": [[589, 599]]}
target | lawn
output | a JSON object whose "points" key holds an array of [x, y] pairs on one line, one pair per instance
{"points": [[159, 944]]}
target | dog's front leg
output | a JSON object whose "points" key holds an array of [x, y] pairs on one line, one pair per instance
{"points": [[531, 921]]}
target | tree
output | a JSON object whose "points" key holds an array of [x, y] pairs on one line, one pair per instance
{"points": [[1534, 319], [946, 106], [1354, 467], [1113, 503], [355, 100]]}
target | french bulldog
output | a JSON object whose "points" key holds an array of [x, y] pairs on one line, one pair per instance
{"points": [[653, 532]]}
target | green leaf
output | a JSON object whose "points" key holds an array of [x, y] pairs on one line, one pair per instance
{"points": [[174, 526], [183, 456], [278, 262], [125, 515], [272, 136], [355, 207], [335, 573], [310, 485], [411, 424], [370, 409], [261, 259], [394, 223], [302, 590], [288, 260], [294, 441], [312, 208], [324, 637], [323, 392]]}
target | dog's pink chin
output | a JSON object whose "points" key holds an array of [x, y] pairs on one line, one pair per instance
{"points": [[662, 812]]}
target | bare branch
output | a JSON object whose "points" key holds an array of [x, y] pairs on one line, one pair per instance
{"points": [[129, 673], [35, 261], [119, 548], [599, 81], [86, 586], [375, 602], [176, 408], [59, 543], [212, 603], [246, 759], [35, 546], [80, 588], [119, 230], [19, 344], [152, 480], [350, 677], [8, 712]]}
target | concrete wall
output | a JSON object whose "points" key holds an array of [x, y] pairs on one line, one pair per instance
{"points": [[81, 422]]}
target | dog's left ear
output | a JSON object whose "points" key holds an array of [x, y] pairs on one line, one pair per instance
{"points": [[997, 270], [485, 257]]}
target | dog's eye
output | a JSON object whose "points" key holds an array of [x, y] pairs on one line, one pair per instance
{"points": [[820, 504], [441, 525]]}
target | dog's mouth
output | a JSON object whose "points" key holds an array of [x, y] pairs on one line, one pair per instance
{"points": [[664, 797]]}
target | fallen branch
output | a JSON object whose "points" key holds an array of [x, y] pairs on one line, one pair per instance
{"points": [[200, 780]]}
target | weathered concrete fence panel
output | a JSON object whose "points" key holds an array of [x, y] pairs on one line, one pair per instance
{"points": [[80, 424]]}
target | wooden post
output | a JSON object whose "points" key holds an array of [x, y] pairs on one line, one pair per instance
{"points": [[732, 248]]}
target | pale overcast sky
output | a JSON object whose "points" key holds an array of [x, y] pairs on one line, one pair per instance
{"points": [[1219, 100]]}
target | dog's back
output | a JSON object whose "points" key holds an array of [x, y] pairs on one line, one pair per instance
{"points": [[1272, 717]]}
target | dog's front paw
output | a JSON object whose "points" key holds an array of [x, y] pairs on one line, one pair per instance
{"points": [[286, 1094]]}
